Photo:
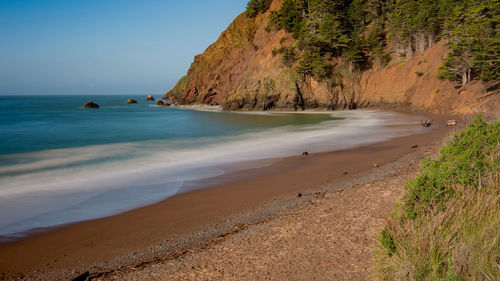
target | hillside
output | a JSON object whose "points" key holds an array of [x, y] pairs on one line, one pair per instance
{"points": [[327, 54]]}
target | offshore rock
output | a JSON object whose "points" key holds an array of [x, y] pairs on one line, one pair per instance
{"points": [[91, 104]]}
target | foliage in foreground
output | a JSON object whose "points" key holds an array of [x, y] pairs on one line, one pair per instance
{"points": [[447, 225]]}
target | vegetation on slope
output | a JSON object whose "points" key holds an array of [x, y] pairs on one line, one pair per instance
{"points": [[254, 7], [354, 34], [178, 89], [447, 225]]}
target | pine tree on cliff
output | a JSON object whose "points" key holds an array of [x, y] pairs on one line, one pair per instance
{"points": [[358, 31], [474, 43], [254, 7]]}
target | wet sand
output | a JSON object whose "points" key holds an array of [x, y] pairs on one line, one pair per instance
{"points": [[330, 238], [188, 220]]}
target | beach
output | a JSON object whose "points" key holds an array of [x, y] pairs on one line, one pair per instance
{"points": [[192, 219], [249, 140]]}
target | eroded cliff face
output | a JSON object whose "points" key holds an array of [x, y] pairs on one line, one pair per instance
{"points": [[240, 72], [414, 84]]}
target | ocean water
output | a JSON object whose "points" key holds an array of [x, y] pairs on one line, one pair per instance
{"points": [[60, 163]]}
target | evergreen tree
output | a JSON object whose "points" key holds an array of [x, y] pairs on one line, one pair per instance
{"points": [[472, 28], [254, 7], [358, 31]]}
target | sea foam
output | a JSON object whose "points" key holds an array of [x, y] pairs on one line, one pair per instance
{"points": [[59, 186]]}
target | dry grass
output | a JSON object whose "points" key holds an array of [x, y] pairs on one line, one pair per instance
{"points": [[456, 239]]}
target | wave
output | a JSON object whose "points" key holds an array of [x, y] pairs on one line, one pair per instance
{"points": [[59, 186]]}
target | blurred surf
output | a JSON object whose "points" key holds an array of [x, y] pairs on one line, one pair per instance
{"points": [[129, 156]]}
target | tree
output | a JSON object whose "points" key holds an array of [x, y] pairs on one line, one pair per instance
{"points": [[472, 28], [254, 7], [290, 17]]}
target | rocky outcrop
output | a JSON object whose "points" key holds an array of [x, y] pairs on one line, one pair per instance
{"points": [[150, 98], [240, 72], [130, 101], [91, 104], [162, 103]]}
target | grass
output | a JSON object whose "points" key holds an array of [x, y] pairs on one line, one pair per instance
{"points": [[178, 89], [447, 225]]}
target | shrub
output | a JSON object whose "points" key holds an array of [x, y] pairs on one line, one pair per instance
{"points": [[447, 224], [289, 56], [462, 161], [388, 242]]}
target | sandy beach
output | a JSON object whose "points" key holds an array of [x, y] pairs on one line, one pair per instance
{"points": [[166, 233]]}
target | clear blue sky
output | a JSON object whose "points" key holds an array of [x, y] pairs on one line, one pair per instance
{"points": [[105, 46]]}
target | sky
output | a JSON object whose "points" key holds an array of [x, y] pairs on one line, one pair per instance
{"points": [[59, 47]]}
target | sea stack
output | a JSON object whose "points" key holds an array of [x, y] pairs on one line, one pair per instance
{"points": [[91, 104], [150, 98], [129, 101]]}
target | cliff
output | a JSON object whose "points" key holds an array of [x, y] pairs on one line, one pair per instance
{"points": [[240, 71]]}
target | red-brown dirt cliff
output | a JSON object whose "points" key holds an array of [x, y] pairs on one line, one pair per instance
{"points": [[239, 72]]}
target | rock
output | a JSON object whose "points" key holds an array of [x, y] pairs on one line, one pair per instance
{"points": [[345, 173], [91, 104], [305, 153], [451, 123], [375, 165], [299, 195], [129, 101], [320, 194], [162, 103], [426, 123], [150, 98], [82, 277], [414, 146]]}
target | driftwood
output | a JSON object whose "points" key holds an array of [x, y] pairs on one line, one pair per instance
{"points": [[426, 123], [451, 123]]}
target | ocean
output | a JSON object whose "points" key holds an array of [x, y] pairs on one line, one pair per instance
{"points": [[60, 163]]}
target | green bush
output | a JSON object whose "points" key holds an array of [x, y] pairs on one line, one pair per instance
{"points": [[462, 161], [289, 55], [388, 242], [447, 224]]}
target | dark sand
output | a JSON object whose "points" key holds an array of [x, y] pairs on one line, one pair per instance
{"points": [[157, 231]]}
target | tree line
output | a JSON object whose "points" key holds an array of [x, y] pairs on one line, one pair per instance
{"points": [[356, 33]]}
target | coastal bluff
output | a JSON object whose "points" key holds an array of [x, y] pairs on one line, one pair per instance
{"points": [[241, 71]]}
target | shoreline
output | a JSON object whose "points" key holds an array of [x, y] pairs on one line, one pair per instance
{"points": [[148, 233]]}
